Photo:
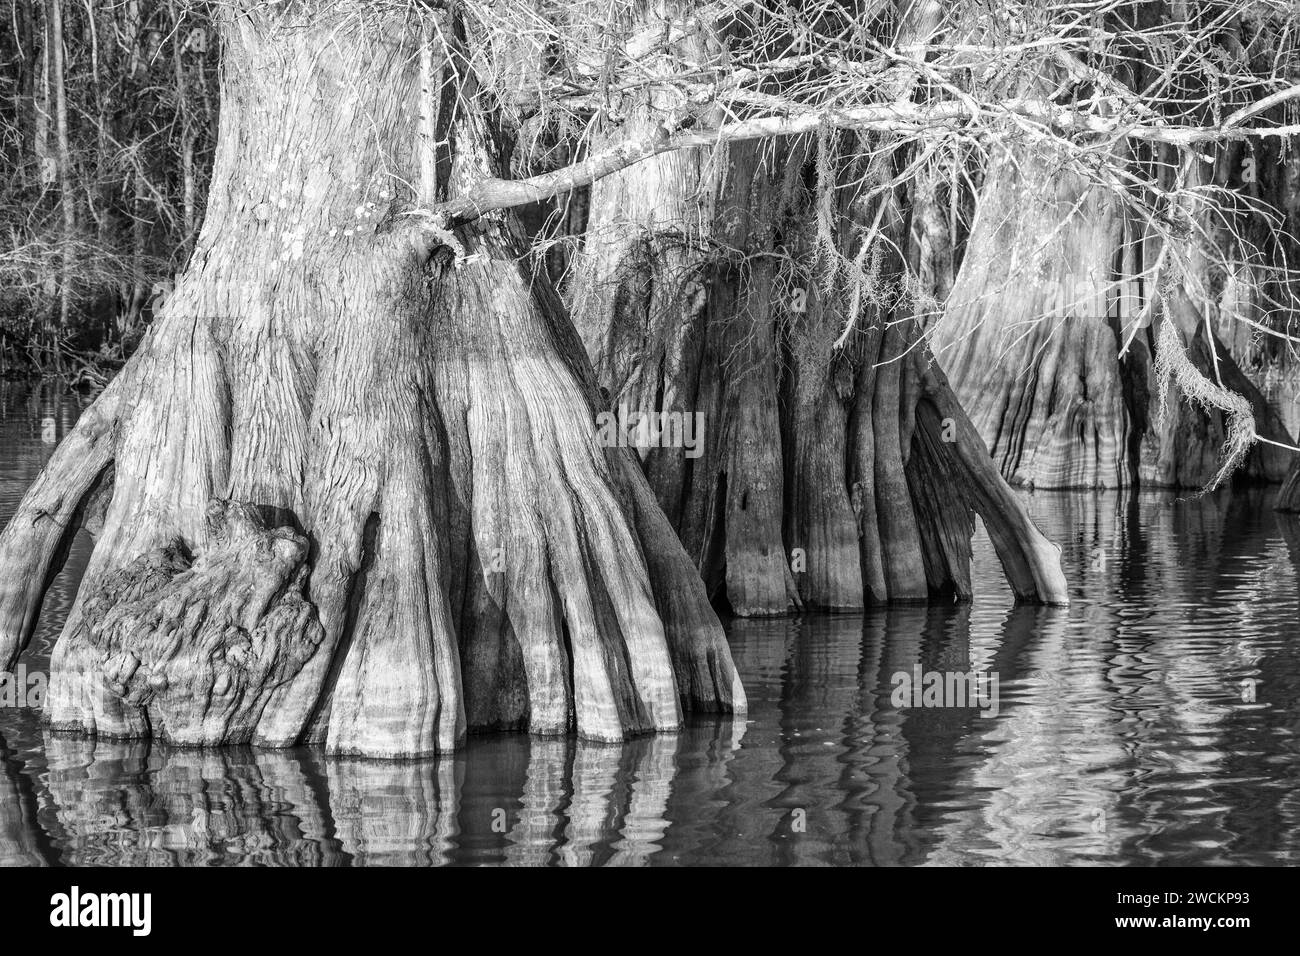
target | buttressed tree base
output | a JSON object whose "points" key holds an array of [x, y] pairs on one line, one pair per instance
{"points": [[348, 491]]}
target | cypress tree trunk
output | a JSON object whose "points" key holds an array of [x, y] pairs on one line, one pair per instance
{"points": [[357, 497], [832, 473], [1032, 334]]}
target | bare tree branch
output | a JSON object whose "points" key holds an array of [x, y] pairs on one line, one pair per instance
{"points": [[900, 118]]}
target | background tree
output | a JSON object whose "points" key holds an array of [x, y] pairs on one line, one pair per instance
{"points": [[1078, 259], [107, 137], [698, 286]]}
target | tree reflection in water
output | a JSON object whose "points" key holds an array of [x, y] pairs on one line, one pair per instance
{"points": [[1122, 736]]}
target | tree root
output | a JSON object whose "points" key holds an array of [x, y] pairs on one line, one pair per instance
{"points": [[1031, 562], [558, 619], [34, 545], [192, 651]]}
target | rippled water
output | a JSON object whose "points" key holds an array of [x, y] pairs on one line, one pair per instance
{"points": [[1125, 733]]}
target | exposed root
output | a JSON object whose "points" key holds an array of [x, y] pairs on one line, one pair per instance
{"points": [[398, 692], [35, 543], [1031, 562], [707, 679]]}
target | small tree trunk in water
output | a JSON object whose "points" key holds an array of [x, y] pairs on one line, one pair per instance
{"points": [[819, 511], [1277, 171], [188, 205], [401, 463], [673, 333], [25, 108], [638, 286], [1184, 447]]}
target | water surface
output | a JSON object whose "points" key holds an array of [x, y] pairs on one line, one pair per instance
{"points": [[1125, 732]]}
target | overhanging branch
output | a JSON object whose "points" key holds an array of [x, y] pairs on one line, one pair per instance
{"points": [[490, 195]]}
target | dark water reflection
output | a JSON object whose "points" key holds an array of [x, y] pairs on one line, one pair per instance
{"points": [[1124, 733]]}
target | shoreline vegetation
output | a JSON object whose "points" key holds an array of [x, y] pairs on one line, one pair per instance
{"points": [[79, 369]]}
